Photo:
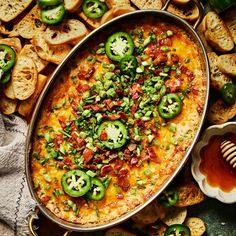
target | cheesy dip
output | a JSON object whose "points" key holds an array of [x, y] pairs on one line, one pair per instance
{"points": [[117, 122]]}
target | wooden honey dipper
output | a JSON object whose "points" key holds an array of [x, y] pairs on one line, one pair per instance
{"points": [[228, 150]]}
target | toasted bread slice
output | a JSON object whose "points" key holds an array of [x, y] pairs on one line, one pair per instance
{"points": [[147, 4], [15, 43], [118, 231], [189, 194], [188, 12], [25, 108], [117, 3], [72, 5], [196, 226], [92, 23], [181, 2], [9, 9], [175, 215], [7, 105], [29, 51], [50, 53], [230, 21], [227, 64], [67, 31], [217, 79], [30, 25], [8, 90], [217, 33], [201, 30], [114, 12], [221, 112], [24, 77]]}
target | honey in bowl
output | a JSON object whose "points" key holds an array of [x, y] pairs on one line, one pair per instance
{"points": [[218, 172]]}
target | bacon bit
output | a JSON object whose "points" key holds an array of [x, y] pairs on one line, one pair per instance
{"points": [[153, 50], [61, 164], [67, 161], [139, 122], [123, 173], [194, 91], [96, 107], [173, 85], [81, 142], [88, 155], [127, 154], [174, 58], [133, 108], [140, 80], [85, 75], [200, 108], [123, 182], [154, 129], [45, 199], [93, 167], [165, 41], [187, 72], [132, 147], [58, 139], [109, 104], [160, 58], [112, 117], [120, 93], [62, 121], [106, 169], [152, 155], [119, 196], [134, 161], [74, 106], [85, 87], [104, 135], [118, 164], [123, 115], [135, 96]]}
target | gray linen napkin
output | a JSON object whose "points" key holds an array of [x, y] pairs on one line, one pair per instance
{"points": [[15, 200]]}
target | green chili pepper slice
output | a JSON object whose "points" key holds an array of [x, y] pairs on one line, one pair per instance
{"points": [[75, 183], [94, 8], [7, 58], [54, 15], [128, 65], [97, 190], [228, 93], [169, 198], [177, 230], [119, 45], [170, 106], [46, 3], [6, 77], [113, 134]]}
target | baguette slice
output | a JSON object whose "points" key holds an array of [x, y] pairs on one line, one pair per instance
{"points": [[50, 53], [147, 4], [217, 79], [230, 21], [14, 43], [8, 90], [92, 23], [69, 30], [72, 5], [24, 77], [175, 215], [117, 3], [188, 12], [10, 9], [217, 33], [118, 231], [181, 2], [196, 226], [25, 108], [114, 12], [7, 105], [29, 51], [227, 64], [30, 25], [220, 112]]}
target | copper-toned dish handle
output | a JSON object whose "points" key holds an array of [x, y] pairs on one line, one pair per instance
{"points": [[34, 216], [199, 6]]}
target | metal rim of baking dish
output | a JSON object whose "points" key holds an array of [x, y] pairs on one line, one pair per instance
{"points": [[160, 14]]}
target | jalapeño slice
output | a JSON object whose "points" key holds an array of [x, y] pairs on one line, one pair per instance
{"points": [[94, 8], [75, 183], [170, 106], [113, 134], [177, 230], [228, 93], [46, 3], [128, 65], [118, 45], [54, 15], [169, 198], [7, 58], [97, 190]]}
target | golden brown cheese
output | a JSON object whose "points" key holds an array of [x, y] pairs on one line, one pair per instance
{"points": [[171, 141]]}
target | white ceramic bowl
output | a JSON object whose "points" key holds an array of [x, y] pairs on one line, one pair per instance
{"points": [[210, 191]]}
